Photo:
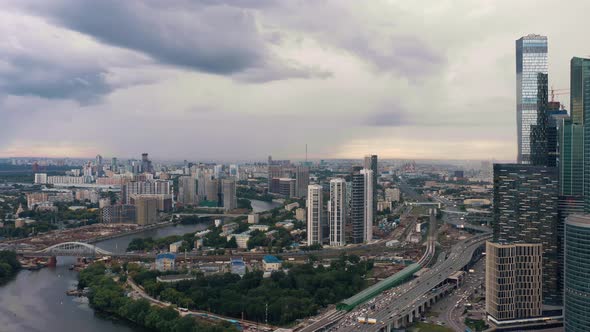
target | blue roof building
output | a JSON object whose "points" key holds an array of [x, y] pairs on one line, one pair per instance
{"points": [[165, 261]]}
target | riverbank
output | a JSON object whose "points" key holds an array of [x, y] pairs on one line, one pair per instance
{"points": [[131, 232], [108, 295], [9, 265]]}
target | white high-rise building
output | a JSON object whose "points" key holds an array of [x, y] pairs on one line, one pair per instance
{"points": [[361, 205], [314, 214], [337, 212], [40, 178], [217, 170]]}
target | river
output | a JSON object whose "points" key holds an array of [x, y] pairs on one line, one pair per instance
{"points": [[35, 301]]}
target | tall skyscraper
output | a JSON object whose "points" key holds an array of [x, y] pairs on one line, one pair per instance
{"points": [[576, 272], [337, 212], [539, 153], [371, 163], [217, 171], [114, 165], [580, 114], [361, 206], [314, 214], [302, 180], [571, 158], [146, 164], [525, 211], [513, 281], [187, 190], [230, 200], [531, 59]]}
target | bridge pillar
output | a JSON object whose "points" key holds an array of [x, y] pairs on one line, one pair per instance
{"points": [[396, 324], [410, 318], [52, 261]]}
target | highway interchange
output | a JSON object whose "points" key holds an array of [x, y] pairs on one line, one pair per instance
{"points": [[397, 302], [401, 300]]}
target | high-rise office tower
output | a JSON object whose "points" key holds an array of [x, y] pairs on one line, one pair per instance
{"points": [[361, 206], [576, 272], [531, 59], [539, 147], [114, 165], [187, 190], [146, 164], [146, 209], [234, 170], [513, 281], [525, 211], [571, 159], [99, 171], [337, 212], [217, 171], [230, 200], [314, 214], [580, 113], [371, 163], [302, 180]]}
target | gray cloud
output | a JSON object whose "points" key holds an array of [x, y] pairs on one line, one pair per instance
{"points": [[218, 37], [35, 77], [407, 56], [392, 115]]}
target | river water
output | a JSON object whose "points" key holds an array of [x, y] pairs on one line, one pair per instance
{"points": [[35, 301]]}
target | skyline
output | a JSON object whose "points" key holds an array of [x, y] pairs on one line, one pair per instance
{"points": [[394, 79]]}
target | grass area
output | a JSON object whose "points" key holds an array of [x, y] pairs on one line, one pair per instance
{"points": [[423, 327], [420, 210], [432, 314], [476, 324]]}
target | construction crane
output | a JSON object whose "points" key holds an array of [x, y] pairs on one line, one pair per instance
{"points": [[559, 92]]}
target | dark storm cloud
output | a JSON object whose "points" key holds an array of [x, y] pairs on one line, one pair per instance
{"points": [[34, 77], [218, 37]]}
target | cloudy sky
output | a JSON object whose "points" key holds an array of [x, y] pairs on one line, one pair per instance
{"points": [[225, 79]]}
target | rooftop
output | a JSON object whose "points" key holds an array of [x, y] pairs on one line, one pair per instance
{"points": [[271, 259]]}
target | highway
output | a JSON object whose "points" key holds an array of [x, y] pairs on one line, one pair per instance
{"points": [[458, 218], [397, 302]]}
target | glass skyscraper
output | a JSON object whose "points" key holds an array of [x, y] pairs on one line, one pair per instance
{"points": [[577, 269], [525, 211], [531, 59], [580, 114]]}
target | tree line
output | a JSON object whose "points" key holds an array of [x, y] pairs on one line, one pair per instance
{"points": [[289, 296], [9, 265], [108, 296]]}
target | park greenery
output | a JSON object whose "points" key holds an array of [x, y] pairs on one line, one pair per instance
{"points": [[9, 265], [149, 243], [251, 193], [109, 296], [289, 296]]}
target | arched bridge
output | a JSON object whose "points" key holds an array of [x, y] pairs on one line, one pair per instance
{"points": [[75, 249]]}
